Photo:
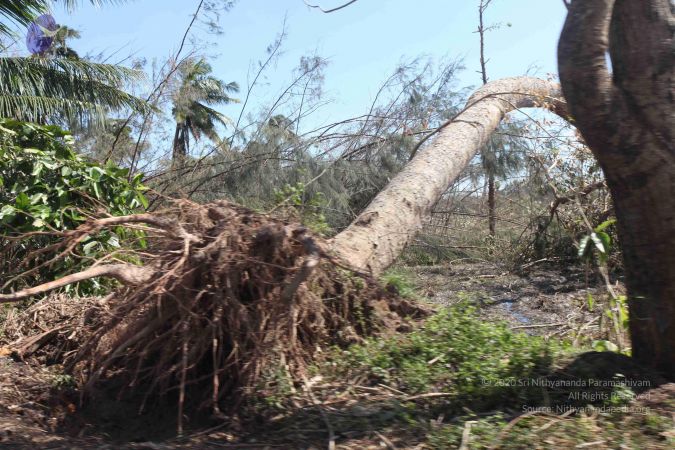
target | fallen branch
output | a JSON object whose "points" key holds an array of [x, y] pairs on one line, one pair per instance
{"points": [[27, 346], [125, 273], [586, 190], [542, 325]]}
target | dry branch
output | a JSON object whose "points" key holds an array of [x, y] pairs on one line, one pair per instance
{"points": [[125, 273]]}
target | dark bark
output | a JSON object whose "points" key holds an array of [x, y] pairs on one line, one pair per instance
{"points": [[178, 145], [627, 117]]}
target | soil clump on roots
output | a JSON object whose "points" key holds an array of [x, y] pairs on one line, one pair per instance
{"points": [[227, 300]]}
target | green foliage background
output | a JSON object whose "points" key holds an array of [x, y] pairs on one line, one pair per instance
{"points": [[46, 188]]}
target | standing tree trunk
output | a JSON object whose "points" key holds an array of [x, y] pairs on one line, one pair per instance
{"points": [[627, 117], [489, 169], [180, 143], [492, 205], [374, 240]]}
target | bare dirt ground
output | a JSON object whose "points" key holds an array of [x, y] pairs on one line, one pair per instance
{"points": [[39, 410]]}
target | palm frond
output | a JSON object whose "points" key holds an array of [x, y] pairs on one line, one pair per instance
{"points": [[33, 108], [212, 115], [21, 12], [79, 84]]}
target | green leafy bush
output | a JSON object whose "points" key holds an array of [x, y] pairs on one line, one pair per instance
{"points": [[456, 353], [45, 187]]}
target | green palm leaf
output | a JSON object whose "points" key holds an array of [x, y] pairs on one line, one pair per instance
{"points": [[196, 91], [35, 89]]}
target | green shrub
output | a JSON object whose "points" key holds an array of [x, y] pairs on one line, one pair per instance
{"points": [[455, 353], [45, 188], [308, 208]]}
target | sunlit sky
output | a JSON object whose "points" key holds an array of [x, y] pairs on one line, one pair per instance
{"points": [[364, 42]]}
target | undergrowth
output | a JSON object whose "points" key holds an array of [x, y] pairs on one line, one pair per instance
{"points": [[457, 381], [455, 353]]}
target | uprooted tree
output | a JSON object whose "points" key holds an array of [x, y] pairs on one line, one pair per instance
{"points": [[227, 294]]}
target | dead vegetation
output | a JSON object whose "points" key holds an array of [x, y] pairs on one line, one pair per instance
{"points": [[225, 297]]}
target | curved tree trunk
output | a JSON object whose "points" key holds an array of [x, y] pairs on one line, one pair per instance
{"points": [[377, 236], [627, 117]]}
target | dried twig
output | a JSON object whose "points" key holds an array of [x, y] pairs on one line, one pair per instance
{"points": [[541, 325], [315, 401], [466, 435]]}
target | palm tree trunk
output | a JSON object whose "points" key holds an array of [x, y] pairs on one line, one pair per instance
{"points": [[377, 236], [178, 146]]}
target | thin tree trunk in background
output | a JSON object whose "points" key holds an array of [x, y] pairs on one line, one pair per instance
{"points": [[492, 204], [492, 215], [176, 146], [627, 117], [375, 239]]}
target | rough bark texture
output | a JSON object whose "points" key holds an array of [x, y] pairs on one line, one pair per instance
{"points": [[627, 117], [492, 205], [374, 240]]}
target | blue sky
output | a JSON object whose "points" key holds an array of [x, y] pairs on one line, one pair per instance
{"points": [[364, 42]]}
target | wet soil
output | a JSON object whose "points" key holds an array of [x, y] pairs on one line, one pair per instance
{"points": [[540, 301]]}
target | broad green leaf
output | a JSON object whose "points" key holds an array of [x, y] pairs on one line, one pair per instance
{"points": [[95, 173], [88, 248], [598, 243], [22, 201], [144, 201], [97, 190], [7, 212], [33, 151], [37, 169], [40, 197], [113, 241]]}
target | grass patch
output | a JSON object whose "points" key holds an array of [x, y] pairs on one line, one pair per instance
{"points": [[424, 386], [632, 428], [454, 353], [400, 281]]}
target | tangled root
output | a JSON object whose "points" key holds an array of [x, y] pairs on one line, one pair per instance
{"points": [[228, 296]]}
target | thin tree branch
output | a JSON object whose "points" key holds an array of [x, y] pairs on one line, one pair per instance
{"points": [[327, 11], [157, 91]]}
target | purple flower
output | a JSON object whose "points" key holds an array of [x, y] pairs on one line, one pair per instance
{"points": [[40, 34]]}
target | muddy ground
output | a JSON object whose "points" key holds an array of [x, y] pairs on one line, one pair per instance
{"points": [[541, 300]]}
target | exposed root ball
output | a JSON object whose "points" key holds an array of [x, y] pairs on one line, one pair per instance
{"points": [[232, 296]]}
